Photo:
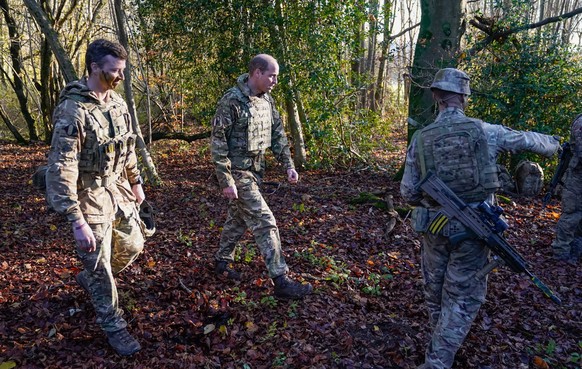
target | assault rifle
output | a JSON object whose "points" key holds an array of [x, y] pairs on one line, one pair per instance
{"points": [[485, 226], [563, 162]]}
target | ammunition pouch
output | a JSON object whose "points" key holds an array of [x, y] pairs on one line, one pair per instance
{"points": [[425, 220], [146, 214], [419, 219], [39, 178]]}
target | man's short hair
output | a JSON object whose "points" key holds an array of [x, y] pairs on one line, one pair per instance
{"points": [[261, 62], [99, 49]]}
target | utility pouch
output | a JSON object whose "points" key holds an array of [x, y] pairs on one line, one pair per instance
{"points": [[419, 219]]}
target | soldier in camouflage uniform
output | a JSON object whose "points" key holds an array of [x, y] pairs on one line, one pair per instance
{"points": [[245, 125], [568, 243], [462, 152], [93, 179]]}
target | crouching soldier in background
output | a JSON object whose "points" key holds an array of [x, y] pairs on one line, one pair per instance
{"points": [[462, 152]]}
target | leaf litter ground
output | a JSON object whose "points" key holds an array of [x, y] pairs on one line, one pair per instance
{"points": [[367, 309]]}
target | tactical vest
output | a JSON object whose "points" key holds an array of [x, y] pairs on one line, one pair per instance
{"points": [[457, 152], [251, 134], [102, 157]]}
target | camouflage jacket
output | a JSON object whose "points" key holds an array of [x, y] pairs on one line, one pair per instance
{"points": [[499, 139], [232, 154], [574, 173], [92, 158]]}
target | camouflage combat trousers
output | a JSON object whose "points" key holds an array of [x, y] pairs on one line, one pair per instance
{"points": [[118, 244], [568, 226], [250, 211], [453, 296]]}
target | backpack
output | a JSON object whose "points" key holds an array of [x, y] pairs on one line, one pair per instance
{"points": [[456, 150], [529, 178]]}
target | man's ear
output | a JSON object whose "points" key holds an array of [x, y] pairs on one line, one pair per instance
{"points": [[94, 66]]}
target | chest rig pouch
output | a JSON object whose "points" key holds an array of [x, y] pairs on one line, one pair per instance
{"points": [[107, 143], [251, 132], [259, 124], [456, 151]]}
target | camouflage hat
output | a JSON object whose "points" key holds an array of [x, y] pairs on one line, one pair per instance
{"points": [[453, 80]]}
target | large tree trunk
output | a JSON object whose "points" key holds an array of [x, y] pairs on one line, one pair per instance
{"points": [[442, 25], [147, 161], [46, 28], [17, 72]]}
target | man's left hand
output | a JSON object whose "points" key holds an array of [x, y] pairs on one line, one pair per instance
{"points": [[292, 176], [137, 190]]}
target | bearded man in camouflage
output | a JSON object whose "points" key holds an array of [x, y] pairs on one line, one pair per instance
{"points": [[245, 125], [462, 152], [93, 179], [567, 245]]}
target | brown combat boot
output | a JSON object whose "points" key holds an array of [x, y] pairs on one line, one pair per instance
{"points": [[123, 342], [222, 268], [288, 289]]}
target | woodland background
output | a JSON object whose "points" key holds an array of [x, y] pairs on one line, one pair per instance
{"points": [[352, 73]]}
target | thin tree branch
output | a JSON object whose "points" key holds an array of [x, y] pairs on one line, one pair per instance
{"points": [[494, 36]]}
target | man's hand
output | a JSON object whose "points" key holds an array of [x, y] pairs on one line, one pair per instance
{"points": [[292, 176], [137, 190], [230, 192], [84, 236]]}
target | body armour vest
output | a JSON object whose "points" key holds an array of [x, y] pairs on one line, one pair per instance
{"points": [[456, 151], [108, 140], [251, 133]]}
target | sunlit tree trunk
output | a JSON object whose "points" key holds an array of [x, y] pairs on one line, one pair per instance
{"points": [[293, 102], [17, 71], [147, 161], [11, 127], [67, 68]]}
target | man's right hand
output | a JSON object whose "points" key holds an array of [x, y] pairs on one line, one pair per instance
{"points": [[84, 236], [230, 192]]}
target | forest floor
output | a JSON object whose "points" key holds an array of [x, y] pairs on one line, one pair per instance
{"points": [[367, 309]]}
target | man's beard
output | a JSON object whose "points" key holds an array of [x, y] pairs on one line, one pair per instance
{"points": [[111, 81]]}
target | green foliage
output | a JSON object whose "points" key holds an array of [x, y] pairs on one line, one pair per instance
{"points": [[527, 83], [198, 48], [269, 301]]}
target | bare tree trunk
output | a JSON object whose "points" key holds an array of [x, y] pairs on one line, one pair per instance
{"points": [[47, 103], [379, 88], [46, 28], [17, 83], [11, 127], [299, 154], [147, 161], [294, 107]]}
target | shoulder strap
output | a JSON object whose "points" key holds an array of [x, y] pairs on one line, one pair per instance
{"points": [[92, 109]]}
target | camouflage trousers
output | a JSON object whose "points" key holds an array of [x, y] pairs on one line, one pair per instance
{"points": [[118, 244], [250, 211], [569, 225], [453, 295]]}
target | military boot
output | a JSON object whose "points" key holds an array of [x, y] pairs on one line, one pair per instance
{"points": [[288, 289], [123, 342], [222, 268]]}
